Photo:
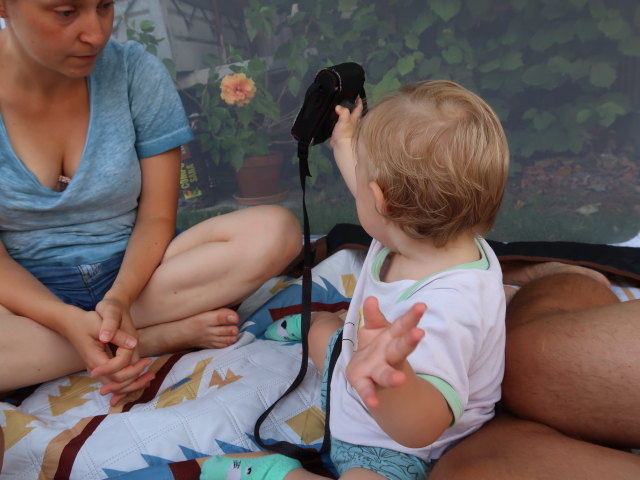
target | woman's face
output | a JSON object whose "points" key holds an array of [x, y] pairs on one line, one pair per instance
{"points": [[64, 36]]}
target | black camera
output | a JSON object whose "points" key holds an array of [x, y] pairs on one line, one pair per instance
{"points": [[338, 85]]}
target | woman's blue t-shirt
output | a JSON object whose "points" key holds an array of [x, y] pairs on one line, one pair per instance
{"points": [[135, 113]]}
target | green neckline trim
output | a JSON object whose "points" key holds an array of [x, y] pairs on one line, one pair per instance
{"points": [[481, 264]]}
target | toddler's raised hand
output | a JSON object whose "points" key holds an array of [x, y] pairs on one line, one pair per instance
{"points": [[383, 348], [347, 122]]}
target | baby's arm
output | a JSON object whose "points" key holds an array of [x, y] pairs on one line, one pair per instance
{"points": [[341, 143], [408, 408]]}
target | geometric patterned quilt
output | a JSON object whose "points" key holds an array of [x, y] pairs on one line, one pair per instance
{"points": [[201, 402]]}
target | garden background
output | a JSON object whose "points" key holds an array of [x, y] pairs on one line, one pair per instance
{"points": [[564, 77]]}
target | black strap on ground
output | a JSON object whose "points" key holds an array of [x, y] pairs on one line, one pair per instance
{"points": [[287, 448]]}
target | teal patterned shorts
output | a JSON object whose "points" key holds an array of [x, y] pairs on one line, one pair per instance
{"points": [[383, 461]]}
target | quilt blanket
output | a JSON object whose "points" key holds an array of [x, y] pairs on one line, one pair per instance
{"points": [[201, 403]]}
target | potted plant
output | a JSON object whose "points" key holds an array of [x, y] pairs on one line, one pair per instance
{"points": [[238, 120]]}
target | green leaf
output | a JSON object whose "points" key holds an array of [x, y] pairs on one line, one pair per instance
{"points": [[614, 27], [586, 29], [558, 64], [294, 85], [512, 61], [543, 120], [509, 38], [147, 26], [445, 9], [579, 4], [541, 40], [412, 41], [536, 76], [405, 64], [490, 66], [347, 5], [597, 8], [602, 75], [583, 115], [388, 83], [452, 54], [423, 21], [579, 69], [630, 46], [235, 157], [608, 112]]}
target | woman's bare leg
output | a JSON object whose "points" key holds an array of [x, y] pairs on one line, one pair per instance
{"points": [[216, 263], [508, 448]]}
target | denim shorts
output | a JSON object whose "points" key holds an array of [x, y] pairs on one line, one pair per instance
{"points": [[390, 464], [81, 285]]}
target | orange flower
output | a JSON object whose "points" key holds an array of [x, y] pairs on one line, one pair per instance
{"points": [[237, 89]]}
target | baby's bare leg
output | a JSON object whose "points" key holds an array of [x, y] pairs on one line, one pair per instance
{"points": [[323, 326]]}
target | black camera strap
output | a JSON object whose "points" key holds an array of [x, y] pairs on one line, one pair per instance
{"points": [[341, 84]]}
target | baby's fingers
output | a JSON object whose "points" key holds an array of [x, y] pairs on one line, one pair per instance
{"points": [[366, 389], [400, 347], [356, 113]]}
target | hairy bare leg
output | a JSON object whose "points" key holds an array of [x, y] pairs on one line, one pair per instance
{"points": [[516, 274], [521, 273], [508, 448], [571, 377], [571, 359]]}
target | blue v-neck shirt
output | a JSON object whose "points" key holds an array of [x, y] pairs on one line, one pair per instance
{"points": [[135, 113]]}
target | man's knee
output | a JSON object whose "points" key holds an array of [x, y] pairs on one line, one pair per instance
{"points": [[563, 292]]}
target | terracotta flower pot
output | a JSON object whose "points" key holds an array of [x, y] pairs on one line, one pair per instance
{"points": [[259, 180]]}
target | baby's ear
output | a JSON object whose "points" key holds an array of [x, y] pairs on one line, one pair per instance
{"points": [[378, 195]]}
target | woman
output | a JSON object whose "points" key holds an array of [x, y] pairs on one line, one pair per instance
{"points": [[89, 164]]}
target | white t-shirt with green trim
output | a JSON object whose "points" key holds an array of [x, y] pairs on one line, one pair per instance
{"points": [[462, 353]]}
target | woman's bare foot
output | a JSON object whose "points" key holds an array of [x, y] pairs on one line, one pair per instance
{"points": [[212, 329]]}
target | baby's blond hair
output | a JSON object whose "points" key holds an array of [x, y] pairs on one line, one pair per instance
{"points": [[440, 156]]}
